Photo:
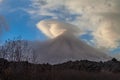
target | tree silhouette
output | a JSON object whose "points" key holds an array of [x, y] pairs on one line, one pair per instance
{"points": [[17, 50]]}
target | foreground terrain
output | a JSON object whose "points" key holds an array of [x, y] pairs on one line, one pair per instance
{"points": [[72, 70]]}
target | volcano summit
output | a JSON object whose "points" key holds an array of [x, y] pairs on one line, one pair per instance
{"points": [[65, 45]]}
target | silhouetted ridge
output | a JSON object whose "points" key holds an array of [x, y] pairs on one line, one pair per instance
{"points": [[28, 71]]}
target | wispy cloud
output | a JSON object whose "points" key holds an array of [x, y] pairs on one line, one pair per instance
{"points": [[102, 17]]}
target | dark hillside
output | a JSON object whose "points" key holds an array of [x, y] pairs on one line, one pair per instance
{"points": [[77, 70]]}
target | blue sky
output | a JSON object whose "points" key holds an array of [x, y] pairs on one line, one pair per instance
{"points": [[19, 22], [23, 15]]}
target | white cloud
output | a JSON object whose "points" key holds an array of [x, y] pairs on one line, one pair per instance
{"points": [[107, 35], [54, 28], [102, 17]]}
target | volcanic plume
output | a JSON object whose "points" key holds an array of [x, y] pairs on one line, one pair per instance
{"points": [[64, 44]]}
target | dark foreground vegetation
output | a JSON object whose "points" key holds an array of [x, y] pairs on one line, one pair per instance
{"points": [[77, 70]]}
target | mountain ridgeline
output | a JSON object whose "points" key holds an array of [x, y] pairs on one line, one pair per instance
{"points": [[57, 50], [65, 48], [71, 70]]}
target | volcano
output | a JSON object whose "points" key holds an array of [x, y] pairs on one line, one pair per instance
{"points": [[68, 48]]}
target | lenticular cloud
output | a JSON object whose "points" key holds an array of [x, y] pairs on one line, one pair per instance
{"points": [[54, 28], [64, 44]]}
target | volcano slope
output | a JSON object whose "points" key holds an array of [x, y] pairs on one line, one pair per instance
{"points": [[65, 48]]}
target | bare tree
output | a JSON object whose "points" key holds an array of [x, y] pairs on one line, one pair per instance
{"points": [[17, 50], [34, 57], [2, 52]]}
